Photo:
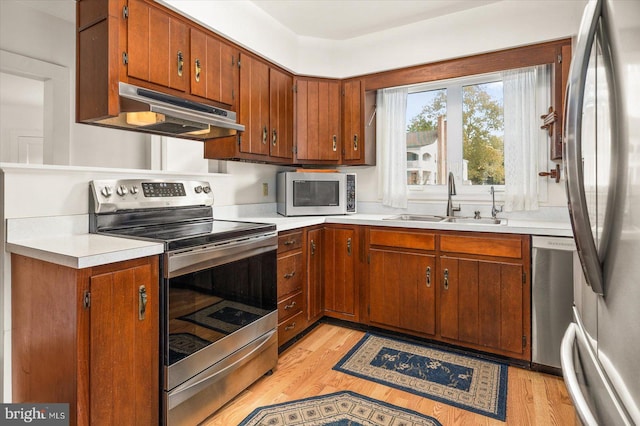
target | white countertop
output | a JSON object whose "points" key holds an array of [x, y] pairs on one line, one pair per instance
{"points": [[82, 250]]}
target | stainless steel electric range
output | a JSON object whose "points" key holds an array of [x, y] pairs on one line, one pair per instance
{"points": [[218, 289]]}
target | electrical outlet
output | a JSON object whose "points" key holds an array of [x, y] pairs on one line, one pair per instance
{"points": [[265, 189]]}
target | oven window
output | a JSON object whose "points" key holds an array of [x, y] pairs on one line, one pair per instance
{"points": [[207, 305], [316, 193]]}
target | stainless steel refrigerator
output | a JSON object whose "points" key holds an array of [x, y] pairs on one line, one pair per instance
{"points": [[601, 347]]}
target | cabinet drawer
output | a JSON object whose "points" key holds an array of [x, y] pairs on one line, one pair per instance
{"points": [[290, 274], [290, 328], [500, 247], [290, 306], [289, 241], [402, 239]]}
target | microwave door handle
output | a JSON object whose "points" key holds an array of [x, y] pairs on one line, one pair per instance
{"points": [[573, 148]]}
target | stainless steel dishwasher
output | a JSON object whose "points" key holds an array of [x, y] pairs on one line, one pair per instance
{"points": [[552, 298]]}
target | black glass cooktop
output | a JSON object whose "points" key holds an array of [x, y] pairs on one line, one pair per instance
{"points": [[182, 235]]}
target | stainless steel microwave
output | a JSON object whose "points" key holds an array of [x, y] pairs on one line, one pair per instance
{"points": [[315, 193]]}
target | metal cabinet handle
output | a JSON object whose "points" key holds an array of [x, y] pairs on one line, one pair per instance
{"points": [[142, 302], [428, 276], [355, 142], [289, 242], [349, 246], [274, 137], [290, 306], [265, 132], [198, 69], [290, 275], [335, 143], [290, 327], [446, 279], [313, 247], [180, 63]]}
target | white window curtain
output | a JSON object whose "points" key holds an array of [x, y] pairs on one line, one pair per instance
{"points": [[523, 139], [391, 135]]}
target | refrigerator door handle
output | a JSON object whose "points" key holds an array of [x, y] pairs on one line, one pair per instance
{"points": [[570, 378], [578, 210]]}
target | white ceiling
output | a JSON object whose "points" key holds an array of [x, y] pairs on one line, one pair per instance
{"points": [[326, 19], [344, 19]]}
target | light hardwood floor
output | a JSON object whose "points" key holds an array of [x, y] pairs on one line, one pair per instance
{"points": [[305, 369]]}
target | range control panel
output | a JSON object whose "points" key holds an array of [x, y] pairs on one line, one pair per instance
{"points": [[110, 195]]}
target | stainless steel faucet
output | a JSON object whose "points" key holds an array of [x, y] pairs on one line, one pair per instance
{"points": [[451, 190], [494, 209]]}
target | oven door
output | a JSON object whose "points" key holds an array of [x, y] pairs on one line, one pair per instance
{"points": [[219, 312]]}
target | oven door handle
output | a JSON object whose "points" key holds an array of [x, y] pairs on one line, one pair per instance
{"points": [[218, 372], [187, 261]]}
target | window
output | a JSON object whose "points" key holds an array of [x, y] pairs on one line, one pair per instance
{"points": [[456, 125]]}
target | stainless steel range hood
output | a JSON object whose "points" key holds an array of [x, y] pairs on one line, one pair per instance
{"points": [[154, 112]]}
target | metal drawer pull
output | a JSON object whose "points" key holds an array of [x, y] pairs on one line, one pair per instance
{"points": [[349, 246], [335, 143], [290, 327], [355, 142], [180, 63], [428, 276], [265, 132], [446, 279], [290, 305], [142, 302], [290, 275], [289, 242], [198, 70], [274, 137], [313, 247]]}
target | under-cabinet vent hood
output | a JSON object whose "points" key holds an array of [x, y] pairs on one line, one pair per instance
{"points": [[154, 112]]}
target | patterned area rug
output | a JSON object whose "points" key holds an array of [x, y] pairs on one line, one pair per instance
{"points": [[225, 316], [339, 409], [472, 384]]}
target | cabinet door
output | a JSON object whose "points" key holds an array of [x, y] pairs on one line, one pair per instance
{"points": [[281, 114], [157, 46], [481, 303], [353, 142], [213, 68], [124, 348], [318, 120], [402, 290], [254, 105], [341, 297], [315, 300]]}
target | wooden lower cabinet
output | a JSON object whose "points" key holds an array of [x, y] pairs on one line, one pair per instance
{"points": [[315, 274], [341, 289], [292, 293], [88, 337], [484, 303], [402, 285]]}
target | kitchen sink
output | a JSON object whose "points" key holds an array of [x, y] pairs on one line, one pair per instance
{"points": [[416, 217], [445, 219], [480, 221]]}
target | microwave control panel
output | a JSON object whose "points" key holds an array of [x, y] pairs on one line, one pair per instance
{"points": [[351, 193]]}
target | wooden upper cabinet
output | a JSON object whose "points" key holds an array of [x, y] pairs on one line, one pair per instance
{"points": [[213, 68], [158, 48], [352, 121], [317, 111], [254, 106], [280, 114]]}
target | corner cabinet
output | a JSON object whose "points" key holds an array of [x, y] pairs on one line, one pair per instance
{"points": [[88, 337], [484, 292], [341, 252]]}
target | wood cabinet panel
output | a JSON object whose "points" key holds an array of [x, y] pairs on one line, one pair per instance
{"points": [[290, 306], [449, 300], [281, 114], [402, 239], [289, 241], [315, 275], [213, 68], [290, 274], [340, 259], [254, 105], [498, 246], [352, 121]]}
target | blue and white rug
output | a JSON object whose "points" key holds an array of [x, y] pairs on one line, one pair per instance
{"points": [[470, 383], [338, 409]]}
